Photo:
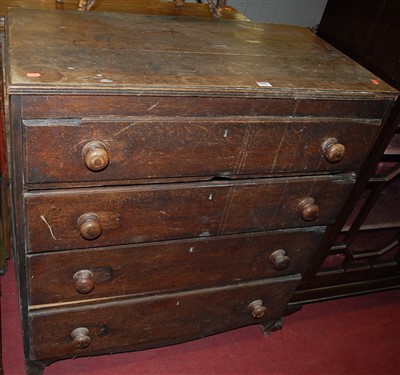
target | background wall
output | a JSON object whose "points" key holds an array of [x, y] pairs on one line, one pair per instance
{"points": [[296, 12]]}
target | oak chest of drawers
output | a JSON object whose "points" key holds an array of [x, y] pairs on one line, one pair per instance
{"points": [[172, 179]]}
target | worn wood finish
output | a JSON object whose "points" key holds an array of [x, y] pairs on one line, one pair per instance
{"points": [[148, 148], [173, 178], [69, 60], [154, 321], [190, 263], [169, 211], [302, 105], [368, 34]]}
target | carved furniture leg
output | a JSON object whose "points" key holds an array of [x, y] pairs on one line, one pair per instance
{"points": [[272, 325], [34, 368], [84, 5], [217, 9]]}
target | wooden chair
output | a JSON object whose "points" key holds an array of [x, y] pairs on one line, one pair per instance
{"points": [[215, 8]]}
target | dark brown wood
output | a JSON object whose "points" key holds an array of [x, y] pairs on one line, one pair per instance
{"points": [[89, 226], [169, 211], [71, 67], [5, 199], [96, 156], [367, 33], [153, 321], [280, 260], [362, 253], [149, 148], [257, 309], [81, 338], [333, 150], [34, 367], [1, 346], [308, 209], [173, 177], [82, 106], [272, 325], [174, 265], [84, 281]]}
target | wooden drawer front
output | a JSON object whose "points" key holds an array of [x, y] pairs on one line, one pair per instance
{"points": [[80, 218], [97, 105], [153, 321], [164, 148], [168, 266]]}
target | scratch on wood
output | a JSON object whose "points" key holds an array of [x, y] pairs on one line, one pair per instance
{"points": [[251, 27], [153, 106], [294, 113], [75, 147], [48, 225], [310, 191], [226, 210], [243, 152], [124, 129], [51, 173], [279, 148]]}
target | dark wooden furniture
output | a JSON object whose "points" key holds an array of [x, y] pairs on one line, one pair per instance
{"points": [[365, 254], [131, 6], [5, 230], [172, 178], [216, 9], [148, 7], [153, 7]]}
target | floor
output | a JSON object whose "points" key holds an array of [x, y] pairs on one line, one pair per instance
{"points": [[358, 335]]}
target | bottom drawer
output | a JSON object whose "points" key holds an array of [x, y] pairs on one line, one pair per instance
{"points": [[158, 320]]}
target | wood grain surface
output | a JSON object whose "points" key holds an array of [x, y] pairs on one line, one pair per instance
{"points": [[117, 52]]}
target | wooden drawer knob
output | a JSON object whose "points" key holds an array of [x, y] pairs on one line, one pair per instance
{"points": [[96, 156], [89, 226], [308, 209], [81, 338], [257, 309], [280, 260], [333, 150], [84, 281]]}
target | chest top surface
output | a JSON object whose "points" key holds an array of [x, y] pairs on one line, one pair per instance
{"points": [[76, 52]]}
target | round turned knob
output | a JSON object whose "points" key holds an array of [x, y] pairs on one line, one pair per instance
{"points": [[280, 260], [80, 337], [333, 150], [89, 226], [257, 309], [96, 156], [308, 209], [84, 281]]}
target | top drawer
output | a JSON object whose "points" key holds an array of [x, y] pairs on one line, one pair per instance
{"points": [[141, 148]]}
